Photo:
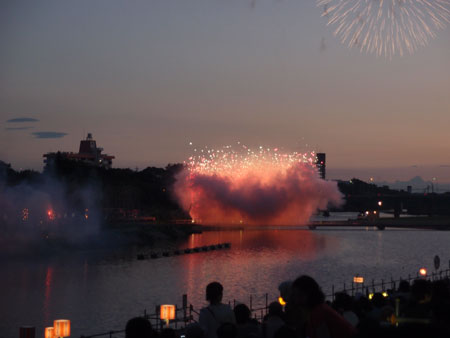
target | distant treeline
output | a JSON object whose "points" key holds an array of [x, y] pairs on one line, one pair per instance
{"points": [[118, 193], [126, 193], [361, 196]]}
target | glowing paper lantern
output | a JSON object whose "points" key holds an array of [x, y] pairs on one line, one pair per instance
{"points": [[62, 327], [423, 272], [50, 332], [358, 279], [281, 301], [167, 312]]}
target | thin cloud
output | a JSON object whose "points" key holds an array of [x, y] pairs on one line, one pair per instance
{"points": [[18, 128], [48, 134], [22, 120]]}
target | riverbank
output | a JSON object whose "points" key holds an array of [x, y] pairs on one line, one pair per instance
{"points": [[413, 222], [419, 222]]}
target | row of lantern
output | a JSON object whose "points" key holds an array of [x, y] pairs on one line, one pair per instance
{"points": [[60, 328], [360, 280]]}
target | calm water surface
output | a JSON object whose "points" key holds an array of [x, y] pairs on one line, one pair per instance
{"points": [[100, 290]]}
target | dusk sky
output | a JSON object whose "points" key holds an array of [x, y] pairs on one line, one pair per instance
{"points": [[148, 77]]}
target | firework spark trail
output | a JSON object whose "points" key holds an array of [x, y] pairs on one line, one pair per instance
{"points": [[386, 27], [265, 186]]}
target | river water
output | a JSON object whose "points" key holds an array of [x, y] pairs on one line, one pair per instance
{"points": [[99, 290]]}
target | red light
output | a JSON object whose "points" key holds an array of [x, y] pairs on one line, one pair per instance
{"points": [[50, 214]]}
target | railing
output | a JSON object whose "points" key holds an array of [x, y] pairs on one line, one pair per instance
{"points": [[186, 314], [373, 287]]}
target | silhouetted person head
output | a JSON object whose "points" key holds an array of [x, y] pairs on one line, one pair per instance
{"points": [[275, 309], [214, 292], [139, 327], [343, 301], [194, 331], [227, 330], [419, 289], [285, 332], [403, 286], [440, 291], [285, 289], [168, 333], [307, 293], [378, 300], [242, 313]]}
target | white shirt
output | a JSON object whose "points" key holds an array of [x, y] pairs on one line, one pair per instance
{"points": [[213, 316]]}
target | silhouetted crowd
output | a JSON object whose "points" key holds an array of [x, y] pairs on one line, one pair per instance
{"points": [[418, 310]]}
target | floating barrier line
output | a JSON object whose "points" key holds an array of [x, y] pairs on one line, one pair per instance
{"points": [[186, 251]]}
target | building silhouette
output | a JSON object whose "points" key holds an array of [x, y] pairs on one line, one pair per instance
{"points": [[88, 154], [321, 164]]}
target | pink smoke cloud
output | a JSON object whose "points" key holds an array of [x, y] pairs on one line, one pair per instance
{"points": [[260, 195]]}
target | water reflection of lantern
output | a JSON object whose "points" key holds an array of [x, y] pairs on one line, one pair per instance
{"points": [[86, 213], [167, 312], [62, 327], [50, 332], [25, 214]]}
